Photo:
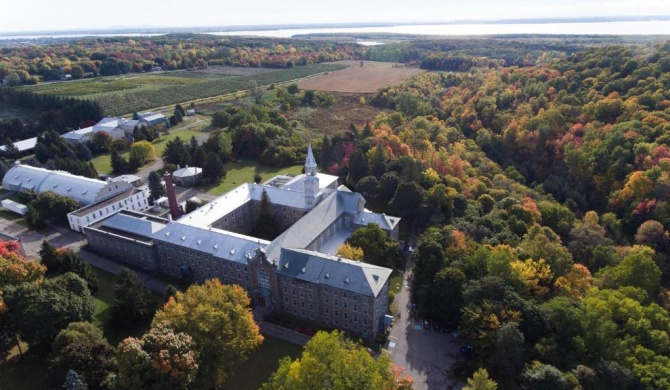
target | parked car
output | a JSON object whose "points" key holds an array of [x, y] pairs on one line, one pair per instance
{"points": [[426, 324]]}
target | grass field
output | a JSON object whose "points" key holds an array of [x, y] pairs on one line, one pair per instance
{"points": [[261, 364], [360, 79], [243, 171], [103, 164], [120, 95]]}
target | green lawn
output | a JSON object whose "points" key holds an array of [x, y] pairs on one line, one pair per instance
{"points": [[243, 171], [261, 364], [396, 282], [103, 164], [12, 217]]}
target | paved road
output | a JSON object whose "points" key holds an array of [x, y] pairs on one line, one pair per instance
{"points": [[427, 355]]}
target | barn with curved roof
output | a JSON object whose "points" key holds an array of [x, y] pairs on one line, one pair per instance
{"points": [[82, 189]]}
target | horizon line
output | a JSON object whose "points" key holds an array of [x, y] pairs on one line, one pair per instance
{"points": [[302, 26]]}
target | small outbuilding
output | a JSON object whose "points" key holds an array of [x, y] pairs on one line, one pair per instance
{"points": [[188, 176], [14, 207]]}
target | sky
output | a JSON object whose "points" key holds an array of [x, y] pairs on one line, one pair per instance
{"points": [[48, 15]]}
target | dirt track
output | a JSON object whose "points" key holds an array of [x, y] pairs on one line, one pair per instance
{"points": [[366, 79]]}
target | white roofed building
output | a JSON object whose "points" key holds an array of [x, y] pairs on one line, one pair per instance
{"points": [[187, 176], [298, 272], [84, 190]]}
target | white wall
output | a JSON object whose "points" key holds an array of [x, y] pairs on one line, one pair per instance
{"points": [[136, 202]]}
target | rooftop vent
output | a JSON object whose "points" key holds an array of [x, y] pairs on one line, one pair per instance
{"points": [[375, 277], [327, 275], [286, 265], [199, 242], [216, 246], [183, 238], [232, 251], [303, 270], [167, 234], [346, 280]]}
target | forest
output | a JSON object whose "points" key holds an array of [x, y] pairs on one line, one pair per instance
{"points": [[543, 215]]}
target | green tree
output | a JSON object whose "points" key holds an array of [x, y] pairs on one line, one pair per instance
{"points": [[219, 320], [39, 312], [637, 269], [358, 166], [213, 170], [199, 157], [133, 303], [544, 376], [176, 152], [156, 188], [119, 164], [49, 257], [81, 347], [377, 161], [378, 247], [74, 382], [161, 359], [267, 226], [101, 142], [68, 261], [331, 361], [480, 381]]}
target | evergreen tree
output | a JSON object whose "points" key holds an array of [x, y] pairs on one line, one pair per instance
{"points": [[72, 262], [267, 227], [358, 167], [119, 164], [132, 303], [169, 292], [377, 161], [74, 382], [49, 257], [156, 189], [199, 157], [326, 153], [213, 170], [176, 152]]}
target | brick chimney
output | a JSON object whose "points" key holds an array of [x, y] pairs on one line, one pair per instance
{"points": [[172, 197]]}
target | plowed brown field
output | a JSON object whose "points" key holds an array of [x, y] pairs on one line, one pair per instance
{"points": [[360, 79]]}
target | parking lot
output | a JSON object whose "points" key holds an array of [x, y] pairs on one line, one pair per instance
{"points": [[426, 354]]}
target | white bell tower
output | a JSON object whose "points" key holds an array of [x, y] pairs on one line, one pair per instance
{"points": [[311, 180]]}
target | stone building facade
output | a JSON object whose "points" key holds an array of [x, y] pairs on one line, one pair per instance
{"points": [[296, 273]]}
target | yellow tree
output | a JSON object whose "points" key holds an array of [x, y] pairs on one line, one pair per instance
{"points": [[350, 252], [332, 361], [220, 322], [535, 275]]}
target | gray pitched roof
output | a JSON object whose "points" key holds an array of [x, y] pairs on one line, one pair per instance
{"points": [[384, 221], [219, 243], [130, 224], [309, 227], [344, 274]]}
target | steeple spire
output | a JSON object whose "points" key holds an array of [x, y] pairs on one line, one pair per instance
{"points": [[310, 162]]}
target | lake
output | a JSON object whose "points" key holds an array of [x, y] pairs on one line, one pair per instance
{"points": [[655, 27], [591, 28]]}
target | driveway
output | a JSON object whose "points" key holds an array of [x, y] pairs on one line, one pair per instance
{"points": [[426, 355]]}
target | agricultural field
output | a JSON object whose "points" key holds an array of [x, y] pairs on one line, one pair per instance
{"points": [[125, 94], [347, 109], [361, 79]]}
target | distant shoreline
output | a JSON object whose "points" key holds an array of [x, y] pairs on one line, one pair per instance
{"points": [[209, 29]]}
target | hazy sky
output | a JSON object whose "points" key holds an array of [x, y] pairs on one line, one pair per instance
{"points": [[40, 15]]}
